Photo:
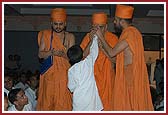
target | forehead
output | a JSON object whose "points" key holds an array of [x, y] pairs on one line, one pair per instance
{"points": [[21, 92], [7, 77], [58, 22], [98, 25]]}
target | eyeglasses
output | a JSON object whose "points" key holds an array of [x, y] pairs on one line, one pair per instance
{"points": [[22, 96]]}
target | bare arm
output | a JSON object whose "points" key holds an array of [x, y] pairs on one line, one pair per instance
{"points": [[120, 46], [71, 41], [113, 60]]}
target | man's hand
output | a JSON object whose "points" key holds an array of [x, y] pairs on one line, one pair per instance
{"points": [[59, 53], [100, 44], [92, 32], [99, 33]]}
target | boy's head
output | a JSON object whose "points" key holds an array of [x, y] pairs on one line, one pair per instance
{"points": [[75, 54], [17, 97], [34, 81], [8, 82]]}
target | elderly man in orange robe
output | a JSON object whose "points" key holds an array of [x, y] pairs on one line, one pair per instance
{"points": [[131, 86], [103, 68], [53, 92]]}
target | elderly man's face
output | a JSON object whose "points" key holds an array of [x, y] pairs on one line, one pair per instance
{"points": [[58, 26], [103, 27]]}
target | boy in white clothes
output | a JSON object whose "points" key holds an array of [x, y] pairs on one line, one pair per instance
{"points": [[23, 82], [31, 91], [81, 79], [19, 100]]}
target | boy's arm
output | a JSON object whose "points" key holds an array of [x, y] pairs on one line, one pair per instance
{"points": [[71, 82], [93, 50]]}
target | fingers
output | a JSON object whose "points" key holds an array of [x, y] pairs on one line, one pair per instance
{"points": [[92, 32], [99, 33], [59, 53]]}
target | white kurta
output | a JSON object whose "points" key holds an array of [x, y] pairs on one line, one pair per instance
{"points": [[27, 107], [22, 86], [31, 94], [7, 92], [82, 83]]}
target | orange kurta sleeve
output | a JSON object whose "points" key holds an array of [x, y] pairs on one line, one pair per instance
{"points": [[131, 89], [104, 72], [53, 92]]}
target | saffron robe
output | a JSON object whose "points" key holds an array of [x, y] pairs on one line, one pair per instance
{"points": [[131, 87], [103, 71], [53, 91]]}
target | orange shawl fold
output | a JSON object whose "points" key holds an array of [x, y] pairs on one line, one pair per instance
{"points": [[131, 87]]}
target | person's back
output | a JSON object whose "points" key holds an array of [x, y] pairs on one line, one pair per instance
{"points": [[82, 82]]}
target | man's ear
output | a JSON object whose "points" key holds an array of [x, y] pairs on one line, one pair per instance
{"points": [[15, 103], [65, 23], [122, 22]]}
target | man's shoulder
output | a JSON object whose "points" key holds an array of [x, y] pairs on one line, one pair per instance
{"points": [[69, 34], [45, 31]]}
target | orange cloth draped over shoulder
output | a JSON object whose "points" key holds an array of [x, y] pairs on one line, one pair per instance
{"points": [[103, 71], [131, 87], [53, 92]]}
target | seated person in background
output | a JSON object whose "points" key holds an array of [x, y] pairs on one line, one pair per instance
{"points": [[81, 79], [31, 91], [22, 82], [10, 64], [8, 84], [17, 60], [19, 100], [159, 103], [159, 74], [5, 102]]}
